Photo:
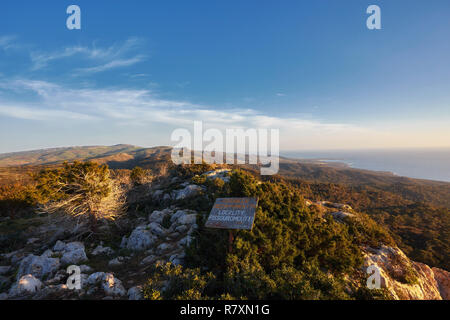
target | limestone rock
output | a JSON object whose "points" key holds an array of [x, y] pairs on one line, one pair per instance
{"points": [[116, 261], [186, 241], [221, 174], [95, 277], [37, 266], [112, 286], [443, 280], [156, 229], [189, 191], [187, 219], [100, 250], [73, 253], [158, 216], [341, 215], [27, 284], [59, 246], [140, 239], [135, 293], [395, 268]]}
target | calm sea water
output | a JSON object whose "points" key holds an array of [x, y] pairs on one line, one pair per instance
{"points": [[431, 164]]}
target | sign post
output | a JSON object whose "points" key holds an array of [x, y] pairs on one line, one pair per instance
{"points": [[232, 214]]}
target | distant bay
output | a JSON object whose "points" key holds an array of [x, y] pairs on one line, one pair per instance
{"points": [[433, 164]]}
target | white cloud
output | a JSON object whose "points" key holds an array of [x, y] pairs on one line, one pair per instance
{"points": [[109, 57], [7, 42], [112, 65], [139, 108]]}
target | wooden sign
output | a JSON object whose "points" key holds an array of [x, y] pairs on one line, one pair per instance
{"points": [[232, 213]]}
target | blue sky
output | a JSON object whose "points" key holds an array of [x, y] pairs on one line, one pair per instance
{"points": [[139, 69]]}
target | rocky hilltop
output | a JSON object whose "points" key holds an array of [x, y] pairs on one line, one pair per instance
{"points": [[160, 228]]}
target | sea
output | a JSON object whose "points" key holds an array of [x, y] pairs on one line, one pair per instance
{"points": [[432, 164]]}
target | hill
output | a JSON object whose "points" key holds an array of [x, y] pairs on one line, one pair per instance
{"points": [[159, 248], [415, 211]]}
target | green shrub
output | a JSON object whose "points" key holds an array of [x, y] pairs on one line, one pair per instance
{"points": [[80, 190], [139, 176]]}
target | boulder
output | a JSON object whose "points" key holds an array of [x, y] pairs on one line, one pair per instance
{"points": [[443, 281], [187, 192], [181, 229], [156, 229], [135, 293], [393, 265], [341, 215], [112, 286], [85, 269], [177, 215], [140, 239], [27, 284], [221, 174], [73, 253], [158, 216], [163, 247], [38, 266], [59, 246], [100, 250], [186, 241], [95, 278], [187, 219], [116, 261]]}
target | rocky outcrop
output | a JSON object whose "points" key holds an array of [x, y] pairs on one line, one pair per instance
{"points": [[135, 293], [140, 239], [222, 174], [27, 284], [187, 192], [405, 279], [341, 215], [100, 250], [38, 266], [443, 280], [110, 284], [72, 253]]}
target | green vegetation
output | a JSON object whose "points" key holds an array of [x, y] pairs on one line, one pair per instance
{"points": [[291, 253], [79, 189], [140, 176], [421, 230]]}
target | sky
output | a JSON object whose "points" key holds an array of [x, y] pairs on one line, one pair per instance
{"points": [[137, 70]]}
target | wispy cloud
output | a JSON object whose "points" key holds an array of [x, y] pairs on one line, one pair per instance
{"points": [[112, 65], [133, 108], [115, 56], [7, 42]]}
